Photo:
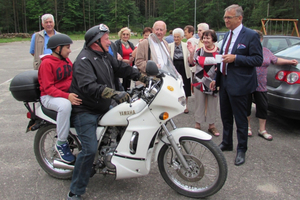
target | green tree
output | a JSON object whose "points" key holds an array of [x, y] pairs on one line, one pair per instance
{"points": [[121, 9], [213, 12]]}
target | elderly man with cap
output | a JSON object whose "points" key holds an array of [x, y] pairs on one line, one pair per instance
{"points": [[93, 80]]}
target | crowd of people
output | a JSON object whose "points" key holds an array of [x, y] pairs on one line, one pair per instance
{"points": [[90, 87]]}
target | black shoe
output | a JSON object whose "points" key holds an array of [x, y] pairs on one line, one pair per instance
{"points": [[71, 196], [225, 147], [240, 158]]}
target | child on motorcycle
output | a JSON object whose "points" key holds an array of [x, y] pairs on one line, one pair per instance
{"points": [[55, 77]]}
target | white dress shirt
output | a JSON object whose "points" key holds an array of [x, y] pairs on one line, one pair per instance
{"points": [[235, 35]]}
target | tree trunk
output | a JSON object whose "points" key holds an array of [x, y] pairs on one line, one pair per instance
{"points": [[15, 20], [154, 9], [116, 7], [25, 19], [146, 9], [89, 13], [56, 20], [83, 10]]}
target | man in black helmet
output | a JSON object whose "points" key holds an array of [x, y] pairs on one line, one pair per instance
{"points": [[93, 80]]}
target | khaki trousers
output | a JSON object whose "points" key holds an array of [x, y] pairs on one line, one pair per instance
{"points": [[205, 107]]}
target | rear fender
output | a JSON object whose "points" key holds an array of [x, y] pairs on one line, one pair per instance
{"points": [[181, 132]]}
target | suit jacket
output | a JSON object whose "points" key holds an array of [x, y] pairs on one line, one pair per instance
{"points": [[185, 57], [241, 74], [142, 55]]}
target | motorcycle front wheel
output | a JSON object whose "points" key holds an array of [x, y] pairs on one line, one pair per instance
{"points": [[207, 171], [45, 153]]}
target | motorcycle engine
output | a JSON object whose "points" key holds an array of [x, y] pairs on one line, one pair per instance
{"points": [[108, 146], [107, 152]]}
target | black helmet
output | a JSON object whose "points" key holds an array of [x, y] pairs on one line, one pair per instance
{"points": [[58, 40], [95, 33]]}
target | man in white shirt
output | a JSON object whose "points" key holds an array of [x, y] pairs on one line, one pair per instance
{"points": [[241, 53], [189, 35], [143, 54]]}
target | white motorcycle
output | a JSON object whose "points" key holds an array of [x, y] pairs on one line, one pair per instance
{"points": [[129, 134]]}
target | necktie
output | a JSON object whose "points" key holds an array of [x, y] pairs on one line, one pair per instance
{"points": [[226, 51]]}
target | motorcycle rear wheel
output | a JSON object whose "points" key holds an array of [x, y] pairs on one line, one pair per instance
{"points": [[45, 153], [208, 168]]}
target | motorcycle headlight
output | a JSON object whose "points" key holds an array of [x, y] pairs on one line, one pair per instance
{"points": [[182, 100]]}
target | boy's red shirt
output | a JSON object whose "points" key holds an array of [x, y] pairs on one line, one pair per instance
{"points": [[55, 76]]}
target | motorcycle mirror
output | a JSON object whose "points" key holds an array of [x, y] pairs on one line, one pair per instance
{"points": [[151, 68]]}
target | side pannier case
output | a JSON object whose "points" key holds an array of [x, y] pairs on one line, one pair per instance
{"points": [[25, 86]]}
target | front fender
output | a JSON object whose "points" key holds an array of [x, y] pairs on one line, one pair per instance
{"points": [[181, 132]]}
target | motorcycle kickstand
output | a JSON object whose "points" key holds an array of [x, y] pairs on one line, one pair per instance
{"points": [[174, 145]]}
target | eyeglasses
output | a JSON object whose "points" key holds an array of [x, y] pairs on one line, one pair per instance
{"points": [[229, 17], [125, 34], [103, 28]]}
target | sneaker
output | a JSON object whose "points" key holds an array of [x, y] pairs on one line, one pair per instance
{"points": [[74, 197], [65, 153]]}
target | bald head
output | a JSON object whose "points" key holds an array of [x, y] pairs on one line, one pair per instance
{"points": [[160, 29]]}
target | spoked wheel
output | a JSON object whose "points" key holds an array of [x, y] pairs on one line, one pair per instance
{"points": [[207, 171], [45, 153]]}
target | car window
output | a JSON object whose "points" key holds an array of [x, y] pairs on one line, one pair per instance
{"points": [[220, 37], [294, 41], [275, 44], [220, 42], [291, 52]]}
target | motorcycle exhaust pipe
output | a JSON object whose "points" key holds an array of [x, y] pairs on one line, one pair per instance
{"points": [[62, 165]]}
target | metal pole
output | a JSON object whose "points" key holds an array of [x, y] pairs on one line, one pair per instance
{"points": [[39, 22], [128, 21]]}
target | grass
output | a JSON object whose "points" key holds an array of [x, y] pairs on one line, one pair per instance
{"points": [[112, 36], [16, 39]]}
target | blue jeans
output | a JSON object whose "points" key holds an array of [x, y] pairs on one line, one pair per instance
{"points": [[85, 125]]}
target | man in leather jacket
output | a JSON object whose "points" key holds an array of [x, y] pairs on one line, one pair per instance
{"points": [[94, 72]]}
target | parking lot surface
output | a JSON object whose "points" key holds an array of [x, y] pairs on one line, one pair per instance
{"points": [[271, 170]]}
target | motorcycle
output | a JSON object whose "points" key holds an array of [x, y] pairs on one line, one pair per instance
{"points": [[132, 133]]}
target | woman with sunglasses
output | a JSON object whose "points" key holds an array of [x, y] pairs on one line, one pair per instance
{"points": [[125, 48]]}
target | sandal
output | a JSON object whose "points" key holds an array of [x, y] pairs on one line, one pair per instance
{"points": [[214, 131], [264, 134], [249, 132], [186, 111]]}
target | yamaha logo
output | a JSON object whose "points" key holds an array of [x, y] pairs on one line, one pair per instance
{"points": [[130, 112]]}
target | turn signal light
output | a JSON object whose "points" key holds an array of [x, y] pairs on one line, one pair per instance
{"points": [[170, 88], [28, 115], [164, 116]]}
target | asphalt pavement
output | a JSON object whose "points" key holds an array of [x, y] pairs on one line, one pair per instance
{"points": [[271, 170]]}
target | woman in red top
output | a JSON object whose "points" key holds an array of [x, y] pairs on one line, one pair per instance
{"points": [[125, 48], [55, 77]]}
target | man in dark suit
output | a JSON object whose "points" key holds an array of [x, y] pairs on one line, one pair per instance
{"points": [[237, 79]]}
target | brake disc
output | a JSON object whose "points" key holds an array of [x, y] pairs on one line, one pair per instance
{"points": [[195, 171]]}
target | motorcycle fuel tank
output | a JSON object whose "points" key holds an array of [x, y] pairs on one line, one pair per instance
{"points": [[118, 115]]}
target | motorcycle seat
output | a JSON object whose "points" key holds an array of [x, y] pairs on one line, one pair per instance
{"points": [[51, 113]]}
